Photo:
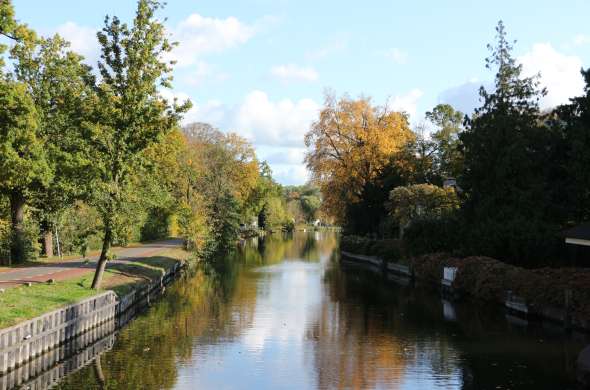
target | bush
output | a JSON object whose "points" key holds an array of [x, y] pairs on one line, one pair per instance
{"points": [[389, 249], [517, 241], [79, 226], [432, 235], [490, 279]]}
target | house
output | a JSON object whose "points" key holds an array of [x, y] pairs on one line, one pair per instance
{"points": [[577, 240]]}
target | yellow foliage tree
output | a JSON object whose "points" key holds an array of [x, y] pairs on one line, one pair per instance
{"points": [[351, 142]]}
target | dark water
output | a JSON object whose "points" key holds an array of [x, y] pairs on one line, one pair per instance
{"points": [[284, 313]]}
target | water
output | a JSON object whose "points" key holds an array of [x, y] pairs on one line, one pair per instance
{"points": [[285, 313]]}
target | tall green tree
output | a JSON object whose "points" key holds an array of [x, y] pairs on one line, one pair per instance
{"points": [[572, 179], [449, 123], [24, 166], [60, 85], [504, 151], [130, 114]]}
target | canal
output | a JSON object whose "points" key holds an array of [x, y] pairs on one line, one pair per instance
{"points": [[284, 312]]}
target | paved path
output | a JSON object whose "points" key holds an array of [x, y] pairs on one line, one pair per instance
{"points": [[77, 267]]}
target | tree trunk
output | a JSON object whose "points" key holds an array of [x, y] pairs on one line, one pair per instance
{"points": [[102, 261], [17, 211], [47, 238]]}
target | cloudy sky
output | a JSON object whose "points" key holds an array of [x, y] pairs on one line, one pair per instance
{"points": [[260, 67]]}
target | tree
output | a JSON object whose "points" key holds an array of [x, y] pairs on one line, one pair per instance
{"points": [[59, 84], [571, 158], [24, 166], [351, 143], [420, 200], [228, 183], [130, 114], [506, 199], [449, 124]]}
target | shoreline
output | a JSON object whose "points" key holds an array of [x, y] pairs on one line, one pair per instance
{"points": [[449, 286], [31, 339]]}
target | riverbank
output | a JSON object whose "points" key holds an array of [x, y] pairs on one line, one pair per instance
{"points": [[26, 301], [132, 285], [557, 294]]}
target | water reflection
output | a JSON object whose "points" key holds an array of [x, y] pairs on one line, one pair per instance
{"points": [[283, 312]]}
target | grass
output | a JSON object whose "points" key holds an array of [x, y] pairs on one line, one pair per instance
{"points": [[22, 303]]}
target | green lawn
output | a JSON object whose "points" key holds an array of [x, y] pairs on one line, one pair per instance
{"points": [[22, 303]]}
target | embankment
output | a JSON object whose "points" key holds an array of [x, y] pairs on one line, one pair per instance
{"points": [[38, 339], [561, 295]]}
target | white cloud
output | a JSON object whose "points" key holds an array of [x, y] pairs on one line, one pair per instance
{"points": [[290, 174], [198, 35], [266, 122], [262, 121], [291, 72], [282, 154], [204, 72], [82, 39], [275, 128], [581, 39], [396, 55], [560, 73], [407, 102]]}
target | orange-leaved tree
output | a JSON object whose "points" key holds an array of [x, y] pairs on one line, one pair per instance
{"points": [[349, 145]]}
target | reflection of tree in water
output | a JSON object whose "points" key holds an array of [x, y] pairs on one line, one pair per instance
{"points": [[214, 305], [477, 349], [274, 248], [364, 333], [147, 352]]}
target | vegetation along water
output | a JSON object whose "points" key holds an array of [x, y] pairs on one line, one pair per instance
{"points": [[285, 312]]}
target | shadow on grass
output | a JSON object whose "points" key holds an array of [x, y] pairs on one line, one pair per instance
{"points": [[130, 274]]}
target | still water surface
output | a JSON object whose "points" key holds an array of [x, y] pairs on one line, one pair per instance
{"points": [[285, 313]]}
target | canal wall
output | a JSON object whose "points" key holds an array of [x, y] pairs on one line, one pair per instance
{"points": [[36, 342], [516, 305]]}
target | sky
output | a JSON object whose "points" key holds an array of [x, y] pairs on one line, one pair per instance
{"points": [[260, 68]]}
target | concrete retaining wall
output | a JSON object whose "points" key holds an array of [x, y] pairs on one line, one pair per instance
{"points": [[29, 340]]}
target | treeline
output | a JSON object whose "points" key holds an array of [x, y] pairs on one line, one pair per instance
{"points": [[97, 156], [503, 181]]}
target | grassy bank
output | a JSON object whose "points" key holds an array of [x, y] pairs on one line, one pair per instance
{"points": [[22, 303]]}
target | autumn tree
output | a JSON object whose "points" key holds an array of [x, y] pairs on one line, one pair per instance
{"points": [[130, 114], [351, 142], [230, 175]]}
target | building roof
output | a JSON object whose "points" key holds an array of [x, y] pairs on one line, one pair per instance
{"points": [[580, 232]]}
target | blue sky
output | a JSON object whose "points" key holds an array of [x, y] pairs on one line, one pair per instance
{"points": [[260, 67]]}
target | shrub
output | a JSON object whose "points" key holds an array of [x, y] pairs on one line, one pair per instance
{"points": [[490, 279], [388, 249], [517, 241], [432, 235]]}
